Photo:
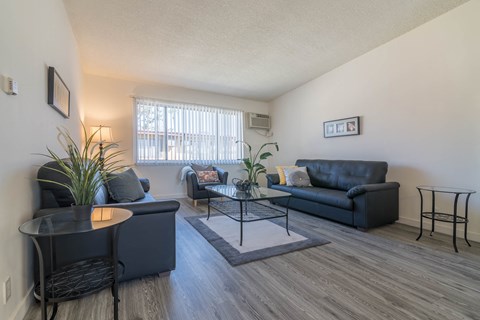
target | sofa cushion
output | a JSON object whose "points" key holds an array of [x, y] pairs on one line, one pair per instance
{"points": [[331, 197], [344, 174], [125, 186]]}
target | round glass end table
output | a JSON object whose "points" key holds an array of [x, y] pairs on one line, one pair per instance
{"points": [[445, 217], [82, 277]]}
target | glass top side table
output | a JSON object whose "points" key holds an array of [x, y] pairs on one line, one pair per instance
{"points": [[445, 217], [82, 277]]}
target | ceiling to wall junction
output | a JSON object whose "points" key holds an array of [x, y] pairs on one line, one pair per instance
{"points": [[250, 49]]}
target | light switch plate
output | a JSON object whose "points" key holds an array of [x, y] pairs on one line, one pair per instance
{"points": [[10, 86]]}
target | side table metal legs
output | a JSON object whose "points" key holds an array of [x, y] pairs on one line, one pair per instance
{"points": [[43, 304], [455, 222], [115, 271], [445, 217], [466, 219], [421, 215], [51, 285]]}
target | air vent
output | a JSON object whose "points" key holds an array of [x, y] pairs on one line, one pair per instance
{"points": [[258, 121]]}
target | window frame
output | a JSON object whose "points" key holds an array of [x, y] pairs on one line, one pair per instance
{"points": [[176, 104]]}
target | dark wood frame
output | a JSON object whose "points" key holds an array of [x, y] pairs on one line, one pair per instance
{"points": [[58, 93], [340, 128]]}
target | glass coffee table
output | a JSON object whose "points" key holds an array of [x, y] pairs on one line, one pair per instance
{"points": [[243, 206]]}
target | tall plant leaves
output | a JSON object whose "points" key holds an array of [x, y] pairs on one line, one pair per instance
{"points": [[84, 167], [253, 167]]}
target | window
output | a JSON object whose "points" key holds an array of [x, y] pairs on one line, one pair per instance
{"points": [[184, 133]]}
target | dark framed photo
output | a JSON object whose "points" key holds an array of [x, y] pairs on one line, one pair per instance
{"points": [[58, 93], [341, 127]]}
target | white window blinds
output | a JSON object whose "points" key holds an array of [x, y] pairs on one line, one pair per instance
{"points": [[184, 133]]}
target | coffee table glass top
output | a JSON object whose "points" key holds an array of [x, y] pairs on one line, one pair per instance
{"points": [[256, 193], [62, 223]]}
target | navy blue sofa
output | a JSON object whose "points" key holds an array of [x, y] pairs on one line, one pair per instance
{"points": [[352, 192], [146, 243]]}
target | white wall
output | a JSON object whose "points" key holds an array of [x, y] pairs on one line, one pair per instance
{"points": [[33, 36], [109, 102], [418, 97]]}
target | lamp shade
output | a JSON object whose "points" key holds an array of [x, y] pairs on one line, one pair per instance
{"points": [[101, 134]]}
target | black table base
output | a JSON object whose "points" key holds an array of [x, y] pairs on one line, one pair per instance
{"points": [[445, 217]]}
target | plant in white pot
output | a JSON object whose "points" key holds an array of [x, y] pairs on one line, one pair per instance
{"points": [[253, 165], [86, 169]]}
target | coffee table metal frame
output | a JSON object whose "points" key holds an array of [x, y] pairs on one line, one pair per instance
{"points": [[445, 217], [243, 206], [80, 278]]}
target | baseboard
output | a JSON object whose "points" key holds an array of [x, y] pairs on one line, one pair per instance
{"points": [[22, 308], [445, 228], [169, 196]]}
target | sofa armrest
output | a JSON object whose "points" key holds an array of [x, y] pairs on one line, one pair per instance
{"points": [[222, 175], [147, 207], [138, 208], [145, 184], [375, 205], [192, 179], [272, 178], [361, 189]]}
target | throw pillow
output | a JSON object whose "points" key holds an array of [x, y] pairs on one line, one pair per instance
{"points": [[281, 173], [125, 186], [199, 167], [297, 177], [207, 176]]}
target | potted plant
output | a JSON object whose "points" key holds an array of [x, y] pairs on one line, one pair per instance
{"points": [[252, 163], [85, 168]]}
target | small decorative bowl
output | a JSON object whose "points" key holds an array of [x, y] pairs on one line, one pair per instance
{"points": [[242, 185]]}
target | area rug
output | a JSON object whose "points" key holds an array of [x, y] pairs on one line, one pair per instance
{"points": [[261, 239]]}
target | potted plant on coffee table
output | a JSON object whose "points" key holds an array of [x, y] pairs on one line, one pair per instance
{"points": [[252, 162], [86, 169]]}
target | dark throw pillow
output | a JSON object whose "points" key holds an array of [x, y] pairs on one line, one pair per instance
{"points": [[125, 186]]}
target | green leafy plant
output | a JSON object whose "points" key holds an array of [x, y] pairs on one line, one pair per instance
{"points": [[84, 167], [252, 163]]}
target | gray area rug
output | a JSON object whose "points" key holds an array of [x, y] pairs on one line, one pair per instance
{"points": [[275, 238]]}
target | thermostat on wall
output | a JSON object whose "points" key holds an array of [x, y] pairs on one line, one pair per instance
{"points": [[10, 86]]}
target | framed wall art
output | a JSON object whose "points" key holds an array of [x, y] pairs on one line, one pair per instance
{"points": [[341, 127], [58, 93]]}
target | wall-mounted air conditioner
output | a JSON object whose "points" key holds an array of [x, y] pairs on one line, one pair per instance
{"points": [[258, 121]]}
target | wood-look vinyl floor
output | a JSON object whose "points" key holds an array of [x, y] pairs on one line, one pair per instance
{"points": [[380, 274]]}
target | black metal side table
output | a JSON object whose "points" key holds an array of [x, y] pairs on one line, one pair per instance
{"points": [[445, 217], [83, 277]]}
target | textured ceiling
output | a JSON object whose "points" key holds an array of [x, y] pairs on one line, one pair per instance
{"points": [[257, 49]]}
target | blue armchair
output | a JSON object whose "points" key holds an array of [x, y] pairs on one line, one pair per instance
{"points": [[196, 190]]}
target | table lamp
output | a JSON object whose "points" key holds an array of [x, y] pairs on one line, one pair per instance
{"points": [[101, 134]]}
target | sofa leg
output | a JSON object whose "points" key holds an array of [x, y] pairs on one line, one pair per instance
{"points": [[362, 229], [194, 203]]}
